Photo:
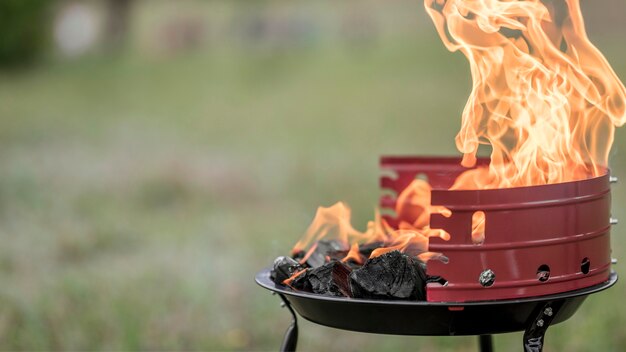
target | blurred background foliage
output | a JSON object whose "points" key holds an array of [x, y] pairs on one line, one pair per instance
{"points": [[24, 27], [156, 154]]}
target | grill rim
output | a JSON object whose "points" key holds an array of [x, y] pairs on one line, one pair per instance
{"points": [[262, 278]]}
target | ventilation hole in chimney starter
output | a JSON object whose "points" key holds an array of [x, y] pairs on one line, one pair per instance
{"points": [[585, 265], [478, 227], [543, 273]]}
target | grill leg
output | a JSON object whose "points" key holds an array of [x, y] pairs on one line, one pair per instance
{"points": [[486, 343], [290, 341], [534, 336]]}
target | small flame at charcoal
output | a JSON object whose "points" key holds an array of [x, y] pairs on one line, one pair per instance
{"points": [[298, 280], [353, 255], [284, 268], [402, 242], [334, 224]]}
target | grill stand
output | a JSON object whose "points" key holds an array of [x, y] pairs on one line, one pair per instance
{"points": [[290, 341], [533, 337], [486, 343]]}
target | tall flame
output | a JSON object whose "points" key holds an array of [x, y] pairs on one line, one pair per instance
{"points": [[543, 96]]}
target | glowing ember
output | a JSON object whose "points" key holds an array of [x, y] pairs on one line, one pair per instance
{"points": [[293, 277], [543, 97]]}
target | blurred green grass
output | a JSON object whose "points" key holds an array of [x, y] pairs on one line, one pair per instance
{"points": [[139, 196]]}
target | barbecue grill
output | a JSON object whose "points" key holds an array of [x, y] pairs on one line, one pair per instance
{"points": [[546, 248]]}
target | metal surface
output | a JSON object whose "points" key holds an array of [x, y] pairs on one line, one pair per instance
{"points": [[487, 278], [549, 245], [428, 318], [290, 341], [534, 336], [485, 342], [548, 230]]}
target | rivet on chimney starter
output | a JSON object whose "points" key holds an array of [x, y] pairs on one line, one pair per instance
{"points": [[487, 278]]}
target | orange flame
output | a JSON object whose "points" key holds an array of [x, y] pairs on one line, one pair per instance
{"points": [[403, 239], [543, 96], [331, 222], [414, 203], [353, 254], [295, 275], [308, 253], [478, 227]]}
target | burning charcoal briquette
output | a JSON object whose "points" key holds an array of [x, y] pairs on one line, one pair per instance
{"points": [[392, 275], [284, 268], [301, 282], [337, 255], [352, 264], [366, 249], [298, 255], [322, 250], [330, 279]]}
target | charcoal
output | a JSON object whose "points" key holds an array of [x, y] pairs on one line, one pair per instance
{"points": [[366, 249], [322, 250], [392, 275], [340, 282], [298, 255], [351, 263], [337, 254], [301, 282], [330, 279], [284, 268]]}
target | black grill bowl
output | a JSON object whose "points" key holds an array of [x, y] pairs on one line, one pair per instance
{"points": [[429, 318]]}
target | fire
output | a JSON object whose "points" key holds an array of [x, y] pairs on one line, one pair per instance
{"points": [[543, 97], [334, 223], [478, 227], [413, 206], [402, 241], [293, 277], [353, 254], [329, 222]]}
